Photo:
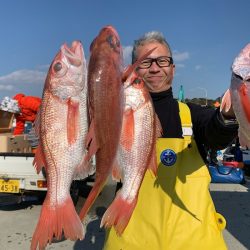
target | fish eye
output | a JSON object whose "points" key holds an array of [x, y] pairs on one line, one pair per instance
{"points": [[137, 81], [57, 67]]}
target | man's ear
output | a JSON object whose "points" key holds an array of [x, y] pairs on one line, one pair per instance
{"points": [[173, 69]]}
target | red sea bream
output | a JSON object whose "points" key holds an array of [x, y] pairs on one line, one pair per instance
{"points": [[106, 107], [136, 152], [239, 94], [62, 126]]}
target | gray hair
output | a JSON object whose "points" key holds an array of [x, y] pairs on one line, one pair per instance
{"points": [[152, 36]]}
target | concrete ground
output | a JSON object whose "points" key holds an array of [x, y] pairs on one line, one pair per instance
{"points": [[233, 202], [18, 221]]}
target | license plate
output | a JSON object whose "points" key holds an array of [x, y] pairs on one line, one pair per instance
{"points": [[10, 186]]}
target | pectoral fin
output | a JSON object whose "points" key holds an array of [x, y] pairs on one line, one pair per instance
{"points": [[73, 119], [91, 142], [133, 67], [128, 127]]}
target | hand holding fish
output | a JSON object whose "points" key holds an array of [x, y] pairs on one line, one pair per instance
{"points": [[228, 113]]}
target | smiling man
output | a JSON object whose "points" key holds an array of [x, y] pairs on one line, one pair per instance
{"points": [[174, 209], [158, 69]]}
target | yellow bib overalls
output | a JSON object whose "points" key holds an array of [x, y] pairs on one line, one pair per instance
{"points": [[174, 210]]}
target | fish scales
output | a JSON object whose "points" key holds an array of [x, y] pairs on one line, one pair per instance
{"points": [[62, 155], [140, 152]]}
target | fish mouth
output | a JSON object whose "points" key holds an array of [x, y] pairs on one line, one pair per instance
{"points": [[112, 29], [112, 38], [74, 54]]}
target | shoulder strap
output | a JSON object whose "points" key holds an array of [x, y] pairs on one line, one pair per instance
{"points": [[186, 120]]}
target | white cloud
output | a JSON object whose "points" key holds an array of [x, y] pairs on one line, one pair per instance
{"points": [[127, 53], [197, 67], [23, 76], [7, 87], [179, 57], [25, 81]]}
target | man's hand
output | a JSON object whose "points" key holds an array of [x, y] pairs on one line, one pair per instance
{"points": [[228, 114]]}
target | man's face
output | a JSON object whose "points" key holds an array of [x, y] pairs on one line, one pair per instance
{"points": [[156, 78]]}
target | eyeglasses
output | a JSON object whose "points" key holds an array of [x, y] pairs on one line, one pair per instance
{"points": [[162, 61]]}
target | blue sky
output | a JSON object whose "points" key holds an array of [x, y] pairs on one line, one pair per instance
{"points": [[205, 37]]}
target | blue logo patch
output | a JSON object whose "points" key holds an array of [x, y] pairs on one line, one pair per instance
{"points": [[168, 157]]}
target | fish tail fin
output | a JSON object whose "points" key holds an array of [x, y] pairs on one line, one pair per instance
{"points": [[118, 214], [96, 189], [55, 221], [226, 101]]}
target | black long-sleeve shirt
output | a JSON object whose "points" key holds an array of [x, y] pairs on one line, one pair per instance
{"points": [[209, 129]]}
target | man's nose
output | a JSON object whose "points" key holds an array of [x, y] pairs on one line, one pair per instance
{"points": [[154, 67]]}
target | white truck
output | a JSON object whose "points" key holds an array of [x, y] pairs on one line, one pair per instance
{"points": [[19, 180], [18, 177], [17, 174]]}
